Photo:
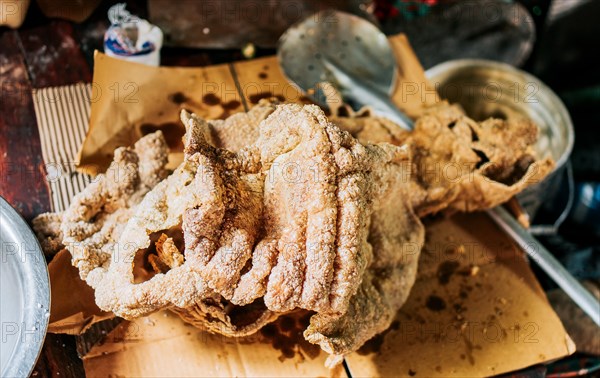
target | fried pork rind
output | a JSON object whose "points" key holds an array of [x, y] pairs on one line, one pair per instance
{"points": [[285, 219], [48, 232], [463, 165], [240, 129], [316, 205], [460, 164], [396, 236], [96, 216], [160, 210], [193, 186]]}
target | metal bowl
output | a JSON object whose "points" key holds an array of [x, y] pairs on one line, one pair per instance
{"points": [[490, 89], [24, 295]]}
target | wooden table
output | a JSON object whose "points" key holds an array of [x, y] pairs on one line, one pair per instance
{"points": [[33, 58], [40, 54]]}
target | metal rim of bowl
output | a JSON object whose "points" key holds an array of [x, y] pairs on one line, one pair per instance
{"points": [[36, 291], [461, 64]]}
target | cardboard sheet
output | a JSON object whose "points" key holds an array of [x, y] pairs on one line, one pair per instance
{"points": [[163, 345], [132, 99], [475, 310]]}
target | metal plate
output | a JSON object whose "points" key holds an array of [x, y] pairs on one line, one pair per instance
{"points": [[24, 295]]}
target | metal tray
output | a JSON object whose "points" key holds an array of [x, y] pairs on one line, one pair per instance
{"points": [[24, 295]]}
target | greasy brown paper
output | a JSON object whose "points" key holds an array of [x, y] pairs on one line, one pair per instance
{"points": [[475, 310], [462, 295], [163, 345], [72, 306], [131, 99]]}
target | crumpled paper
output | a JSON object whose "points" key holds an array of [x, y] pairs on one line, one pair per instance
{"points": [[72, 306], [129, 100]]}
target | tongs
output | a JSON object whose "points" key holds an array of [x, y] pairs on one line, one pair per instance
{"points": [[355, 57]]}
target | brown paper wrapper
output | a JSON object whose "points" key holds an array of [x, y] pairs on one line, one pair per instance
{"points": [[129, 100], [73, 308], [163, 345]]}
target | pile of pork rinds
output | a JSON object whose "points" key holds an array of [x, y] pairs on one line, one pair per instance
{"points": [[281, 209]]}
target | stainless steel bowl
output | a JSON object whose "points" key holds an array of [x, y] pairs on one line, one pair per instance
{"points": [[491, 89], [24, 295]]}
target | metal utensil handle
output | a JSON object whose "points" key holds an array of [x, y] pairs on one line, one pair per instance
{"points": [[370, 95], [549, 264], [381, 102]]}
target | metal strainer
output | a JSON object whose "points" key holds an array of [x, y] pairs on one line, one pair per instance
{"points": [[347, 51]]}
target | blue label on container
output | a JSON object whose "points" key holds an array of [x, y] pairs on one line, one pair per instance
{"points": [[119, 44]]}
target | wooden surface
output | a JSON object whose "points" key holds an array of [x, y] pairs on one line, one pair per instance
{"points": [[21, 165], [46, 53]]}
